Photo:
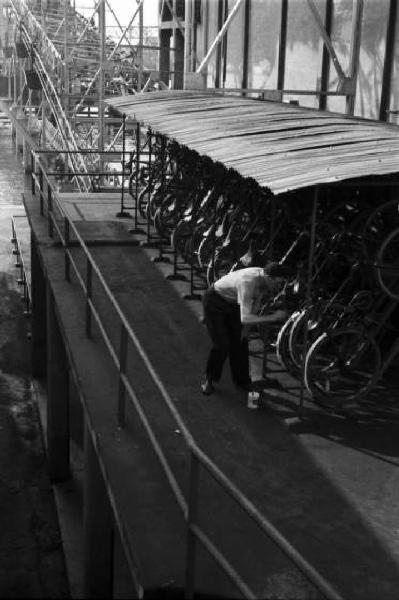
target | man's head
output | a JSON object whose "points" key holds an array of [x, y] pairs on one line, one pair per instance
{"points": [[275, 269], [277, 274]]}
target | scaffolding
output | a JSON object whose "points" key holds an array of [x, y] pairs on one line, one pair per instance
{"points": [[60, 61]]}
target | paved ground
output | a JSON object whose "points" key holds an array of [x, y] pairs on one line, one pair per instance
{"points": [[329, 480], [31, 555]]}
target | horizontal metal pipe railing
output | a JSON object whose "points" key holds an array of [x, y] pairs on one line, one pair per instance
{"points": [[249, 508]]}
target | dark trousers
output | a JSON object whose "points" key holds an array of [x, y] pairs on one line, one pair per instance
{"points": [[223, 322]]}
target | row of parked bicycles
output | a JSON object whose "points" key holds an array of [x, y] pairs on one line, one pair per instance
{"points": [[340, 338]]}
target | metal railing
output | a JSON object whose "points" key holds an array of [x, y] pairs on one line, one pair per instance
{"points": [[21, 264], [61, 225]]}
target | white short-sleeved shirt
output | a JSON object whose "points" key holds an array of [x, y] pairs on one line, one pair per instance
{"points": [[241, 287]]}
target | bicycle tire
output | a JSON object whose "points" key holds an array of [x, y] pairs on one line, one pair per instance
{"points": [[387, 266], [296, 338], [179, 235], [342, 366], [282, 347], [370, 234]]}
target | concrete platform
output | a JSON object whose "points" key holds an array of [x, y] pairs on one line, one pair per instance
{"points": [[327, 482]]}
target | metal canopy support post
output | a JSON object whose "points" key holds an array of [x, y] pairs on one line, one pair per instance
{"points": [[325, 63], [282, 45], [247, 13], [388, 62], [123, 213], [354, 57], [219, 36], [309, 290], [161, 258], [137, 190]]}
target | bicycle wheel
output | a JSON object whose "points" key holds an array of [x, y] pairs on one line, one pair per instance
{"points": [[305, 325], [342, 366], [387, 266], [282, 345], [166, 218], [206, 249], [142, 201], [377, 226]]}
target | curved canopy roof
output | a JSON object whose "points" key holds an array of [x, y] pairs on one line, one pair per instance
{"points": [[282, 146]]}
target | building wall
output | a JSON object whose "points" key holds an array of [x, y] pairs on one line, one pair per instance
{"points": [[256, 63]]}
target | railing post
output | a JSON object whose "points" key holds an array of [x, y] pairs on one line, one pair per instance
{"points": [[122, 371], [191, 520], [88, 297], [66, 246], [50, 211], [32, 174], [41, 190], [123, 213]]}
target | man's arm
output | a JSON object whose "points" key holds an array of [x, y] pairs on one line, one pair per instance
{"points": [[247, 298], [274, 317]]}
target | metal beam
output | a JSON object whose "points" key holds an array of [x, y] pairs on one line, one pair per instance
{"points": [[282, 45], [188, 32], [327, 40], [354, 57], [219, 36], [388, 62], [247, 14], [325, 62]]}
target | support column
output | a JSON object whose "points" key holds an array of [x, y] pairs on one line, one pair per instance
{"points": [[178, 77], [388, 62], [101, 83], [355, 52], [38, 317], [282, 45], [164, 55], [57, 397], [98, 527]]}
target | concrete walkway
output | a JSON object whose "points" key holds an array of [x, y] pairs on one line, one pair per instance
{"points": [[31, 554], [330, 483]]}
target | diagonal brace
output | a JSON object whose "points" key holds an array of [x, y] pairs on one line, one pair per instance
{"points": [[343, 79]]}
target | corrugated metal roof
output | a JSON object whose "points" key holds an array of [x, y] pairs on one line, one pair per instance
{"points": [[281, 146]]}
